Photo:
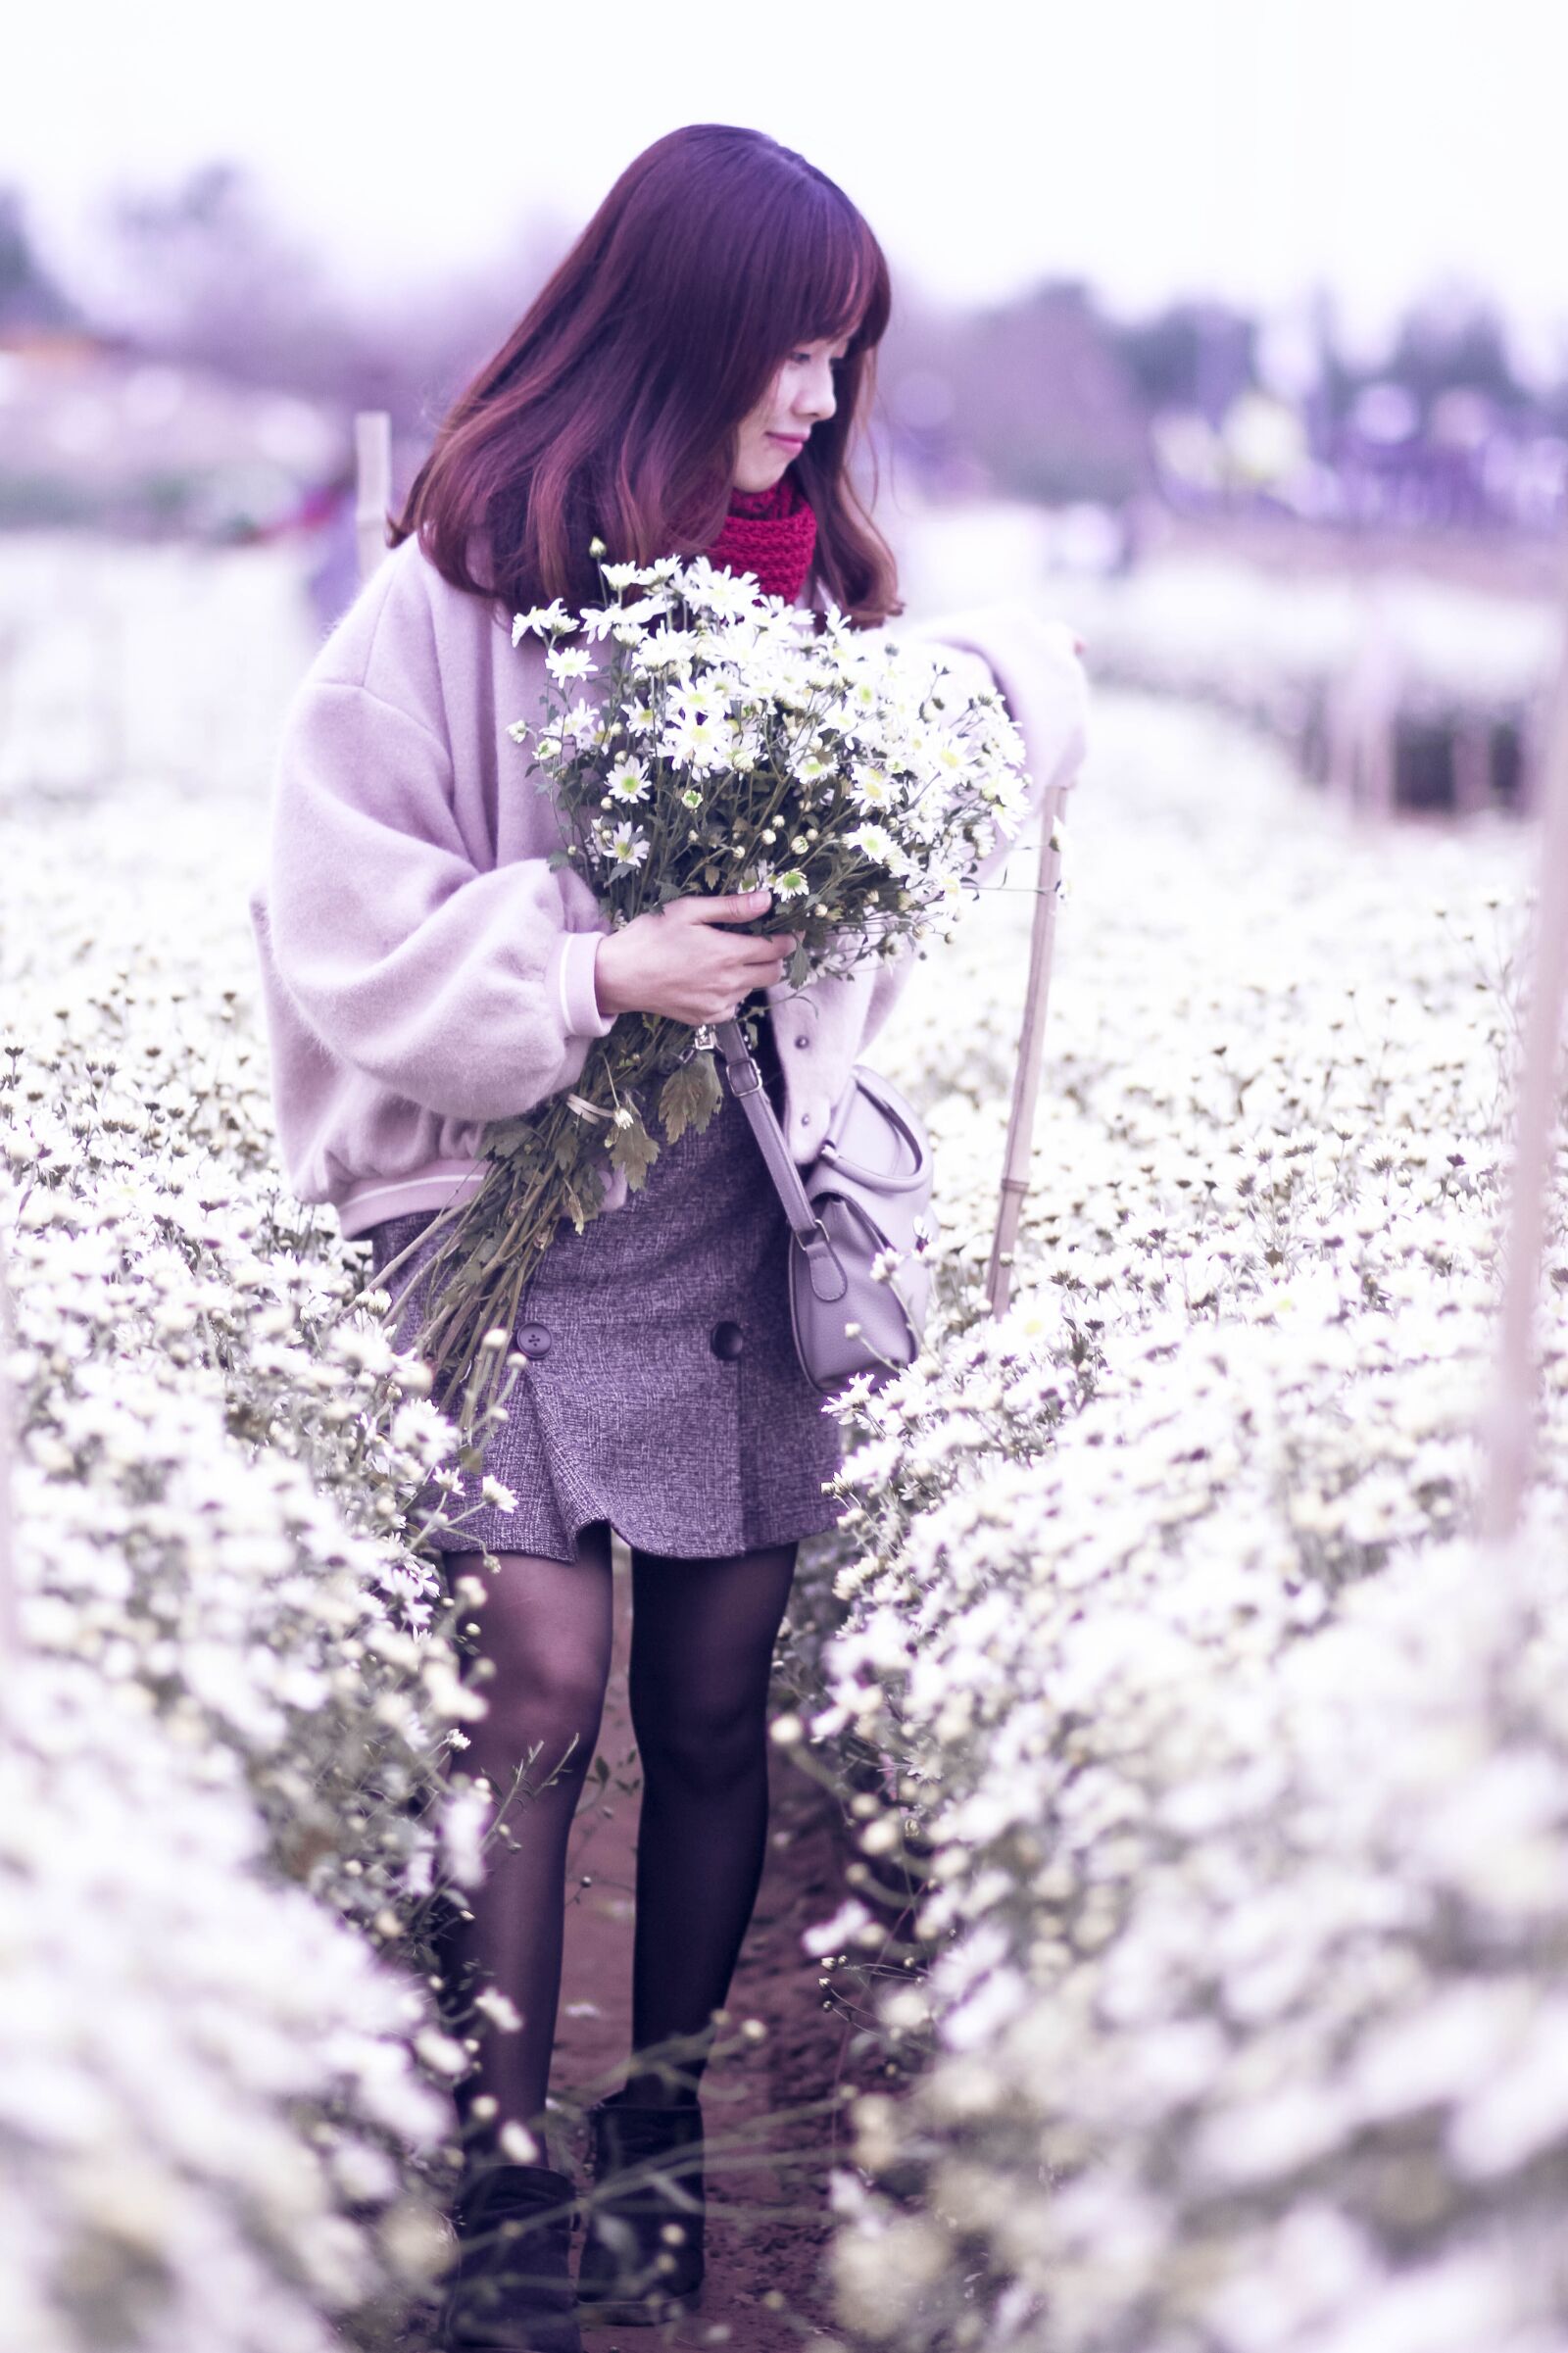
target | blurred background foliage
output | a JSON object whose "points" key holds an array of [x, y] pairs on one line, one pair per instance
{"points": [[220, 319], [1353, 546]]}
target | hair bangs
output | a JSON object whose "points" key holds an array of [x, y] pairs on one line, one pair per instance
{"points": [[830, 279]]}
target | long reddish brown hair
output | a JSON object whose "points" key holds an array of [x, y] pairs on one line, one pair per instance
{"points": [[612, 409]]}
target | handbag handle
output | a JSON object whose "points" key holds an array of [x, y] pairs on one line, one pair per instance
{"points": [[828, 1279], [879, 1180]]}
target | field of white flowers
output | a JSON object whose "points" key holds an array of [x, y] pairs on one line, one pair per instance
{"points": [[1231, 1778], [224, 2118]]}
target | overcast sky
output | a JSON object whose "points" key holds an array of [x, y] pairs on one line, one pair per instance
{"points": [[1249, 147]]}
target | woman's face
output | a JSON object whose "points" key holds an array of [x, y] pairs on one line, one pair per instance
{"points": [[800, 396]]}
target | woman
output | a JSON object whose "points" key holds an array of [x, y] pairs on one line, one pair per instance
{"points": [[689, 379]]}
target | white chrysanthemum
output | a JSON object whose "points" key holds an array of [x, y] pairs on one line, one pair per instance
{"points": [[625, 845], [628, 780], [665, 650], [565, 662], [582, 724], [728, 596], [872, 787], [699, 734], [544, 620], [875, 842], [814, 766]]}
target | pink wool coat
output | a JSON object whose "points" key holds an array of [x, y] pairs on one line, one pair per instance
{"points": [[425, 971]]}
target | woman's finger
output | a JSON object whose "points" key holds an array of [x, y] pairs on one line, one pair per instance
{"points": [[754, 954], [732, 906]]}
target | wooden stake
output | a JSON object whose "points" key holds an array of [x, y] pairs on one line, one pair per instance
{"points": [[373, 469], [1031, 1040], [1509, 1425], [10, 1440]]}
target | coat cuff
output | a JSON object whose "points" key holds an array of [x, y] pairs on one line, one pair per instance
{"points": [[571, 976]]}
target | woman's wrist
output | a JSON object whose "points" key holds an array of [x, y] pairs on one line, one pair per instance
{"points": [[606, 995]]}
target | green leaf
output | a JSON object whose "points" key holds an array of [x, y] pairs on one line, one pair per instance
{"points": [[632, 1151], [583, 1197], [689, 1097], [558, 857], [798, 971], [505, 1136], [572, 1146]]}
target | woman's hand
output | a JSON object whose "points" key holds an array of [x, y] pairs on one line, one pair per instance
{"points": [[679, 960]]}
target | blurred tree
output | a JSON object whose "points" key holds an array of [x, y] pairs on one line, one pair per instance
{"points": [[207, 277], [1194, 355], [1033, 393], [29, 295], [210, 278], [1454, 339]]}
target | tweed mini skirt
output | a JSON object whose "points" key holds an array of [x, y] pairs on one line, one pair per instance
{"points": [[661, 1392]]}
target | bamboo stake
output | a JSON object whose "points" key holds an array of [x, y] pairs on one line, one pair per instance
{"points": [[1508, 1430], [10, 1607], [373, 472], [1031, 1040]]}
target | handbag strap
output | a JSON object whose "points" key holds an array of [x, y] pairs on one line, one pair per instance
{"points": [[827, 1277]]}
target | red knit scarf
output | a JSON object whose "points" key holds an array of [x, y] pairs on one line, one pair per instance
{"points": [[771, 533]]}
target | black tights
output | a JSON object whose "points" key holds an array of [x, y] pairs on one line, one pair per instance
{"points": [[702, 1648]]}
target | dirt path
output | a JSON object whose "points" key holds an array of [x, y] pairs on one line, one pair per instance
{"points": [[770, 2110]]}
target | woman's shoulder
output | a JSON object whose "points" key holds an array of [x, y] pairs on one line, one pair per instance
{"points": [[407, 628]]}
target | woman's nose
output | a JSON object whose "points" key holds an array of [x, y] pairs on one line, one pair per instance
{"points": [[816, 397]]}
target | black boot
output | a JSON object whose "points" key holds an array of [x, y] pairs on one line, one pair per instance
{"points": [[511, 2290], [642, 2257]]}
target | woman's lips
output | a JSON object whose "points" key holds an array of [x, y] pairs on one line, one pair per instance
{"points": [[791, 441]]}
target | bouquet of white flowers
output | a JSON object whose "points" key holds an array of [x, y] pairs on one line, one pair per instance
{"points": [[723, 747]]}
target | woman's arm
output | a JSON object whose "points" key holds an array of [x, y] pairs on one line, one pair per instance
{"points": [[464, 990]]}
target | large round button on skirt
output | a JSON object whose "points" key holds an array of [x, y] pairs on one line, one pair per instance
{"points": [[650, 1404]]}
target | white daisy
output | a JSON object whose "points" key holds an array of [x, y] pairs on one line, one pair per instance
{"points": [[583, 724], [628, 780], [552, 620], [872, 787], [667, 650], [812, 767], [569, 661], [876, 843], [625, 845]]}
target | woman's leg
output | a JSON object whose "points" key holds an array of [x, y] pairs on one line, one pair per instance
{"points": [[546, 1623], [702, 1650]]}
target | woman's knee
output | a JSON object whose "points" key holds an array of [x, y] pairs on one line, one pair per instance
{"points": [[547, 1722], [544, 1649], [706, 1739]]}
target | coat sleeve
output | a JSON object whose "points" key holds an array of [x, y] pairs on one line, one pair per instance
{"points": [[464, 990], [1034, 664]]}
